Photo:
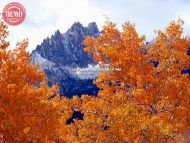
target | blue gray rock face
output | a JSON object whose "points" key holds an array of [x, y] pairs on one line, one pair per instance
{"points": [[63, 59]]}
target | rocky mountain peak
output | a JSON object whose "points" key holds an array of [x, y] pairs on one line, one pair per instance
{"points": [[57, 33], [59, 54], [76, 27], [92, 27]]}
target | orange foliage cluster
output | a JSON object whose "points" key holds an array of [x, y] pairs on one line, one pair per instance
{"points": [[141, 103], [26, 114]]}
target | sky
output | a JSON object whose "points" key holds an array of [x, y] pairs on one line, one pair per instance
{"points": [[44, 17]]}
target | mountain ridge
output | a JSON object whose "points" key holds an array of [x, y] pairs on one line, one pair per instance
{"points": [[61, 54]]}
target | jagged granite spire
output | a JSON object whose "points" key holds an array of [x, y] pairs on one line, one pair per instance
{"points": [[92, 28], [59, 54]]}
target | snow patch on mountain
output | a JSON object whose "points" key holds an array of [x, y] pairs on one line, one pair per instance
{"points": [[42, 62], [90, 72]]}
